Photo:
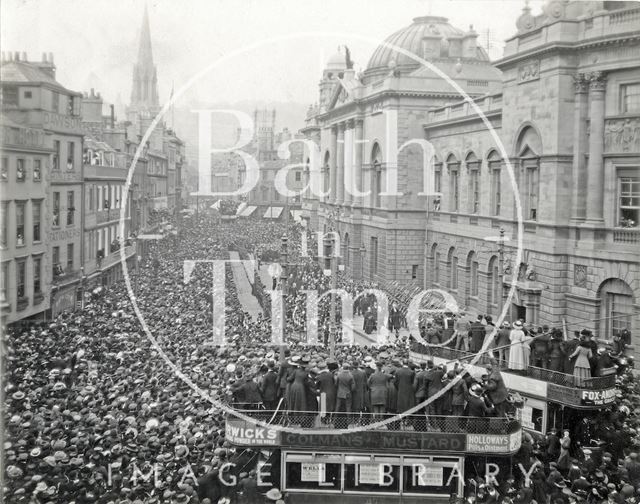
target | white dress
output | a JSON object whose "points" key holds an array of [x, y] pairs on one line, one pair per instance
{"points": [[517, 351]]}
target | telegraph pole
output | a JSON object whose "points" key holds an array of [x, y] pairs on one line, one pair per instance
{"points": [[330, 245], [501, 268]]}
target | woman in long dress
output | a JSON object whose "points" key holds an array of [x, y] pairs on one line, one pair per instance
{"points": [[556, 355], [582, 367], [297, 391], [516, 352], [564, 461]]}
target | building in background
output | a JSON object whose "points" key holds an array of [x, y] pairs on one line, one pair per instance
{"points": [[564, 101], [106, 165], [568, 116], [360, 121], [33, 98], [26, 272]]}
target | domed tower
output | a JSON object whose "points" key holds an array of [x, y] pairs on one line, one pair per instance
{"points": [[429, 37], [334, 69]]}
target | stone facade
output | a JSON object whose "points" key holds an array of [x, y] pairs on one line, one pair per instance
{"points": [[549, 156]]}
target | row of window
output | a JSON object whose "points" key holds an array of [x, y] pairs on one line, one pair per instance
{"points": [[452, 281], [23, 289], [21, 169], [105, 197], [59, 269], [21, 223], [71, 157], [101, 243], [57, 211]]}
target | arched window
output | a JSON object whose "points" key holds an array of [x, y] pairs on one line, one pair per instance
{"points": [[376, 175], [345, 249], [529, 149], [472, 267], [453, 166], [326, 174], [452, 262], [435, 263], [437, 182], [493, 287], [616, 305], [473, 168], [494, 164]]}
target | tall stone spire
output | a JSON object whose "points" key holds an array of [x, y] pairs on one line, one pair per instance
{"points": [[144, 91]]}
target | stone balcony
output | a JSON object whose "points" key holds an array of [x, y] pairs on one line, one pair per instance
{"points": [[591, 393]]}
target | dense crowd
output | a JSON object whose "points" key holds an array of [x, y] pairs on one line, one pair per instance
{"points": [[91, 405]]}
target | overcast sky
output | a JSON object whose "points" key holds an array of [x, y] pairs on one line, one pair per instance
{"points": [[95, 42]]}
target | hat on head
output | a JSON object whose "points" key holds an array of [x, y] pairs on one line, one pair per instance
{"points": [[517, 324], [273, 494]]}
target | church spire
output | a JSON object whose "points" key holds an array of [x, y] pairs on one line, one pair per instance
{"points": [[145, 54], [144, 91]]}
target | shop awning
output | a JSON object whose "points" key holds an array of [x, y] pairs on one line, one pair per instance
{"points": [[273, 212], [240, 208], [216, 205], [246, 212], [149, 237]]}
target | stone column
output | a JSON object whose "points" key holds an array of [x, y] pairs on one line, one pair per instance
{"points": [[340, 165], [595, 173], [357, 167], [333, 164], [348, 162], [580, 146]]}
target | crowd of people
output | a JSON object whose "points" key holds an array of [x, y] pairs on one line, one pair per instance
{"points": [[92, 406]]}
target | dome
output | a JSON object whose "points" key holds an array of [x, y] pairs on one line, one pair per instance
{"points": [[431, 28], [337, 62]]}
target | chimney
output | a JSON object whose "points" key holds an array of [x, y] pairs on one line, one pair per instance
{"points": [[44, 57], [113, 116], [431, 46], [455, 46], [469, 43], [16, 56]]}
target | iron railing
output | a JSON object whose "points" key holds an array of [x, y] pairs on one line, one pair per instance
{"points": [[537, 373], [416, 423]]}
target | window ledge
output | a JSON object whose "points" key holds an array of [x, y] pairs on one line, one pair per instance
{"points": [[38, 298], [22, 303]]}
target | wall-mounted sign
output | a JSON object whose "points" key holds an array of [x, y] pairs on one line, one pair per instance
{"points": [[580, 398], [598, 397], [64, 234], [243, 433], [488, 443], [429, 475], [313, 472], [59, 122]]}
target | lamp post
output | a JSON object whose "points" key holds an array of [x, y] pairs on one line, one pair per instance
{"points": [[501, 269], [500, 240], [284, 276], [82, 282], [330, 251]]}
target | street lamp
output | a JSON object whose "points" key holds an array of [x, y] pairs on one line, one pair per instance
{"points": [[500, 240], [82, 282], [330, 264]]}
